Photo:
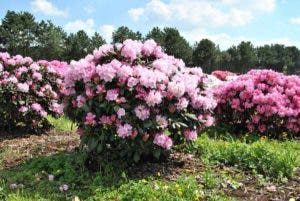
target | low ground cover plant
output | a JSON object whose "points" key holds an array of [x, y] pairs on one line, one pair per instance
{"points": [[262, 156]]}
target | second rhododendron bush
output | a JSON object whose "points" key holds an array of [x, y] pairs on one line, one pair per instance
{"points": [[134, 99], [261, 101], [29, 91]]}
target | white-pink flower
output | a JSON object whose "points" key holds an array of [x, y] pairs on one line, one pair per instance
{"points": [[163, 141], [121, 112], [153, 98], [142, 112], [112, 94], [190, 135], [23, 109], [124, 131], [23, 87], [161, 121]]}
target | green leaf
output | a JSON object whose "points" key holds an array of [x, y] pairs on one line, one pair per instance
{"points": [[100, 147], [116, 108], [86, 108], [148, 124], [183, 124], [92, 143], [191, 116], [157, 153], [136, 156]]}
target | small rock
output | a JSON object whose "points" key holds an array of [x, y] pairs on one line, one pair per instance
{"points": [[271, 188], [50, 177], [13, 186]]}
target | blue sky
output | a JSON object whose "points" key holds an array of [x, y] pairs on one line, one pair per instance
{"points": [[226, 22]]}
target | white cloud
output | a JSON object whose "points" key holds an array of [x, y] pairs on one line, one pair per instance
{"points": [[263, 5], [283, 41], [295, 20], [222, 39], [88, 26], [106, 32], [203, 13], [46, 7], [89, 9], [136, 13], [225, 40]]}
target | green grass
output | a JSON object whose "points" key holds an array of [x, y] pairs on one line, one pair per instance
{"points": [[110, 182], [271, 158], [62, 124]]}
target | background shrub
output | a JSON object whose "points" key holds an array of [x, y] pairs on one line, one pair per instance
{"points": [[29, 91], [261, 101]]}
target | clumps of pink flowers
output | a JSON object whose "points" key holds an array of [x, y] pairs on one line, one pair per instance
{"points": [[223, 75], [136, 98], [190, 135], [29, 91], [163, 141], [261, 101]]}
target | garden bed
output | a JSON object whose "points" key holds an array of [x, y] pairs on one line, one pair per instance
{"points": [[27, 160]]}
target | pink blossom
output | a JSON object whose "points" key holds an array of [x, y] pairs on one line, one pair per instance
{"points": [[23, 87], [131, 49], [163, 141], [250, 127], [37, 76], [89, 92], [43, 113], [124, 131], [190, 135], [161, 121], [121, 112], [80, 101], [142, 112], [262, 128], [57, 108], [90, 119], [148, 47], [112, 94], [36, 107], [100, 89], [153, 98], [210, 120], [106, 72], [176, 88], [132, 82], [182, 103], [256, 118], [105, 120], [23, 109]]}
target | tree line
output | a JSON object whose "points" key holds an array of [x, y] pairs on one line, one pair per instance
{"points": [[21, 34]]}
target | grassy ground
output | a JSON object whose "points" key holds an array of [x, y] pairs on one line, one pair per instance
{"points": [[215, 167]]}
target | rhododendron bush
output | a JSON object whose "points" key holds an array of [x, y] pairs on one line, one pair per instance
{"points": [[28, 91], [261, 101], [135, 99]]}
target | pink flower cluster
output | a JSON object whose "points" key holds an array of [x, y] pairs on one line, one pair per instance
{"points": [[137, 90], [263, 101], [222, 75], [29, 90], [163, 141]]}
